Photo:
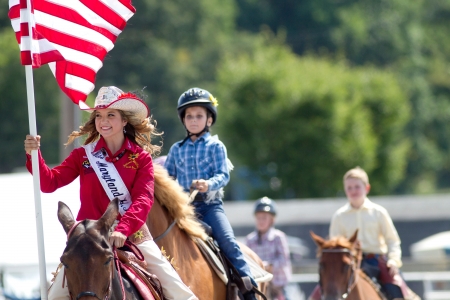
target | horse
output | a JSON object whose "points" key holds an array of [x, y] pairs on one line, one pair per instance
{"points": [[88, 258], [171, 207], [339, 270]]}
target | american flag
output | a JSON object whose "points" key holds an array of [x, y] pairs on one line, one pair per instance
{"points": [[71, 36]]}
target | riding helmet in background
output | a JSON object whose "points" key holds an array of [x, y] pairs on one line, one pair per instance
{"points": [[265, 204], [197, 97]]}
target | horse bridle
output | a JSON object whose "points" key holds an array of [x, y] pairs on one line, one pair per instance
{"points": [[93, 294], [353, 278]]}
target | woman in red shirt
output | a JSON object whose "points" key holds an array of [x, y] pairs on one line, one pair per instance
{"points": [[114, 161]]}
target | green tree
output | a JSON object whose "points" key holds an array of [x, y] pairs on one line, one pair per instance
{"points": [[169, 47], [411, 39], [310, 120]]}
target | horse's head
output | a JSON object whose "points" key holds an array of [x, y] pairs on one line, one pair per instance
{"points": [[338, 264], [88, 257]]}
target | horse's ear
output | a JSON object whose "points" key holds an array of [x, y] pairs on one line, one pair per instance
{"points": [[107, 220], [65, 216], [317, 239], [354, 236]]}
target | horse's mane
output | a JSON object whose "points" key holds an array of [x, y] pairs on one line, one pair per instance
{"points": [[171, 195], [339, 242]]}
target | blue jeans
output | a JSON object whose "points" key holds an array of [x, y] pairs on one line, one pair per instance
{"points": [[214, 215]]}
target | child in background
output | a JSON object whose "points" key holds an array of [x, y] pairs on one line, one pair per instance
{"points": [[201, 159], [271, 246], [379, 240]]}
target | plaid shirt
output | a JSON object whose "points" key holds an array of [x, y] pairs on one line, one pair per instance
{"points": [[272, 247], [206, 158]]}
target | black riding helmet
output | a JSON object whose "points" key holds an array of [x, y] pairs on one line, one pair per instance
{"points": [[265, 204], [197, 97]]}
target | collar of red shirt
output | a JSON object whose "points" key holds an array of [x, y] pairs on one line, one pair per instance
{"points": [[127, 145]]}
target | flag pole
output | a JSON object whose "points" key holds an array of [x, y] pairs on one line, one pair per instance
{"points": [[35, 162], [36, 183]]}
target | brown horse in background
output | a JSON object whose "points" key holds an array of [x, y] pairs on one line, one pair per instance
{"points": [[172, 207], [339, 270]]}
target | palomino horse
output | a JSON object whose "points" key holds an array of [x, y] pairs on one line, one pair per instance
{"points": [[88, 258], [339, 270], [172, 207]]}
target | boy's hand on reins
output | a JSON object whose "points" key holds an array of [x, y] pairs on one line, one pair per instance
{"points": [[201, 185], [117, 239]]}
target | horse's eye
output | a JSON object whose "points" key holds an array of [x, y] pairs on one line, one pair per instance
{"points": [[108, 261], [65, 265]]}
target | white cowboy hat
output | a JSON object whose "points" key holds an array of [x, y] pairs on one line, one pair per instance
{"points": [[114, 98]]}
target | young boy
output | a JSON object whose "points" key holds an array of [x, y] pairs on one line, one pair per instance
{"points": [[379, 240], [271, 246], [201, 159]]}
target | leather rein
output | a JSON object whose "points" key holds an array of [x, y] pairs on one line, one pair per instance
{"points": [[93, 294], [353, 276]]}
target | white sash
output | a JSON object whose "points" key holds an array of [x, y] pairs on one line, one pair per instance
{"points": [[109, 177]]}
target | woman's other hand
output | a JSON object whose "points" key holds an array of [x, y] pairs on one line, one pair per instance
{"points": [[117, 239]]}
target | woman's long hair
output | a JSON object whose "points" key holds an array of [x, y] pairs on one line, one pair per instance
{"points": [[138, 131]]}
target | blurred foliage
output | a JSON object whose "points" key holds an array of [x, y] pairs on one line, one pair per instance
{"points": [[169, 47], [307, 120], [13, 107], [410, 39]]}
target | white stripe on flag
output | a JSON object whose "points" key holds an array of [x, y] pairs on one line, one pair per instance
{"points": [[24, 16], [13, 3], [16, 24], [88, 14], [119, 8], [73, 29], [39, 46], [79, 84], [52, 66], [80, 58], [25, 43]]}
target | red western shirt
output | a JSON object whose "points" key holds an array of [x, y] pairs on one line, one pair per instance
{"points": [[134, 166]]}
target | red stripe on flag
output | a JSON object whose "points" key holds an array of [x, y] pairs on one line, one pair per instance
{"points": [[14, 12], [127, 4], [46, 57], [63, 68], [23, 4], [25, 57], [76, 96], [68, 41], [71, 16], [24, 29], [105, 12], [18, 37], [80, 71]]}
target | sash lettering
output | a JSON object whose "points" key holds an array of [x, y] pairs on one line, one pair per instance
{"points": [[109, 177]]}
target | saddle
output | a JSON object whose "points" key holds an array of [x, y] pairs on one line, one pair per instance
{"points": [[236, 285], [130, 261]]}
